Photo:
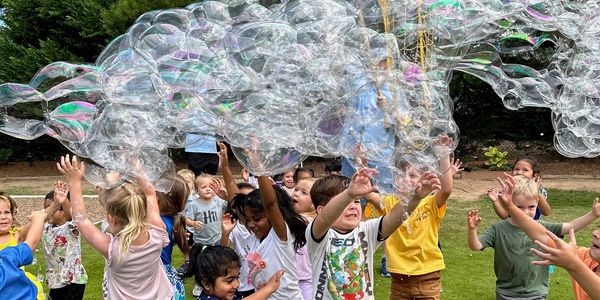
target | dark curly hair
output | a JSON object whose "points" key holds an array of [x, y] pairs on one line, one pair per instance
{"points": [[207, 263]]}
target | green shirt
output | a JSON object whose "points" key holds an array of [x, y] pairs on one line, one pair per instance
{"points": [[515, 275]]}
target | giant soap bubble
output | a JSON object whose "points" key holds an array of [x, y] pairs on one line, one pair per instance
{"points": [[286, 82]]}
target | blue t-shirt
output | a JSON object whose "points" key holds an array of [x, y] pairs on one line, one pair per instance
{"points": [[167, 251], [13, 281]]}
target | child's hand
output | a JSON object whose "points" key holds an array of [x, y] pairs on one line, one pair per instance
{"points": [[564, 255], [507, 185], [273, 284], [473, 219], [70, 168], [596, 208], [538, 180], [361, 183], [39, 215], [61, 190], [443, 145], [382, 103], [198, 225], [223, 159], [455, 166], [228, 223], [428, 182], [245, 175], [217, 187], [493, 194], [146, 186]]}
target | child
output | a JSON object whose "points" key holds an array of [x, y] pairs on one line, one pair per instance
{"points": [[303, 173], [581, 263], [529, 168], [65, 274], [11, 235], [516, 277], [287, 181], [340, 246], [271, 217], [171, 205], [304, 206], [217, 270], [134, 269], [14, 281], [204, 214]]}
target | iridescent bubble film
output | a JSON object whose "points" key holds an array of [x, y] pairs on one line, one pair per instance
{"points": [[301, 79]]}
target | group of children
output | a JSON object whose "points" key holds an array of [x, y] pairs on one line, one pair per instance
{"points": [[304, 238]]}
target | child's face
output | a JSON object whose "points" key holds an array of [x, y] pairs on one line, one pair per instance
{"points": [[409, 178], [301, 197], [288, 179], [226, 286], [6, 217], [526, 204], [203, 188], [350, 217], [257, 222], [58, 218], [595, 248], [523, 168]]}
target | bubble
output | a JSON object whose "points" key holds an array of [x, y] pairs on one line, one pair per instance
{"points": [[302, 78]]}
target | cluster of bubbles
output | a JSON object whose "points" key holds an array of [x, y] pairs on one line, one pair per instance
{"points": [[301, 78]]}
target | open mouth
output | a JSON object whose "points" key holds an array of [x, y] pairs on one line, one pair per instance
{"points": [[596, 245]]}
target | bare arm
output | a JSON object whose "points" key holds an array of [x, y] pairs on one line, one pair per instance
{"points": [[473, 220], [227, 225], [269, 288], [35, 232], [584, 220], [543, 205], [493, 195], [449, 168], [359, 186], [74, 174], [230, 184], [61, 190], [394, 219], [565, 255], [269, 201], [153, 210]]}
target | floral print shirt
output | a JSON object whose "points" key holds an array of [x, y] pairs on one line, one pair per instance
{"points": [[62, 249]]}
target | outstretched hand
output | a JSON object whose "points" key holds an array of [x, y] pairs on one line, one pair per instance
{"points": [[596, 208], [563, 255], [493, 194], [223, 159], [360, 184], [71, 168], [443, 145], [473, 219], [428, 182], [218, 188], [455, 166], [61, 190], [507, 184], [228, 223]]}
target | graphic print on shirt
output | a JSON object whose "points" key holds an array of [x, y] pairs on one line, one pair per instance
{"points": [[347, 265]]}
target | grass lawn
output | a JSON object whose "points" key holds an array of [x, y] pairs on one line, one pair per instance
{"points": [[468, 275]]}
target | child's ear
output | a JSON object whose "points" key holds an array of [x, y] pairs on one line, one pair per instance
{"points": [[319, 209], [206, 285]]}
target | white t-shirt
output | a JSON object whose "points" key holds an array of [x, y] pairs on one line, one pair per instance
{"points": [[243, 242], [342, 264], [275, 255]]}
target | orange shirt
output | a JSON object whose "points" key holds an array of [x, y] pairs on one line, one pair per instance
{"points": [[584, 255]]}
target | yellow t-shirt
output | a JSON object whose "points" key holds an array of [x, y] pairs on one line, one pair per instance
{"points": [[413, 248], [13, 242]]}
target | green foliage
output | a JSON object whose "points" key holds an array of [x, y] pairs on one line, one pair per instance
{"points": [[5, 155], [496, 158]]}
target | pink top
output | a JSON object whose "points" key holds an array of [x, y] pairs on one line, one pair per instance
{"points": [[303, 264], [139, 274]]}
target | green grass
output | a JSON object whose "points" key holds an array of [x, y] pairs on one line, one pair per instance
{"points": [[468, 274]]}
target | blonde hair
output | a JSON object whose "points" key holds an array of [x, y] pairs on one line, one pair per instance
{"points": [[188, 176], [202, 177], [525, 186], [12, 206], [127, 204]]}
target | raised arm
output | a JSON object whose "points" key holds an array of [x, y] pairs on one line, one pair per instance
{"points": [[153, 210], [60, 196], [473, 220], [35, 232], [269, 201], [396, 216], [230, 184], [493, 195], [227, 225], [359, 186], [543, 204], [449, 168], [73, 172], [584, 220]]}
